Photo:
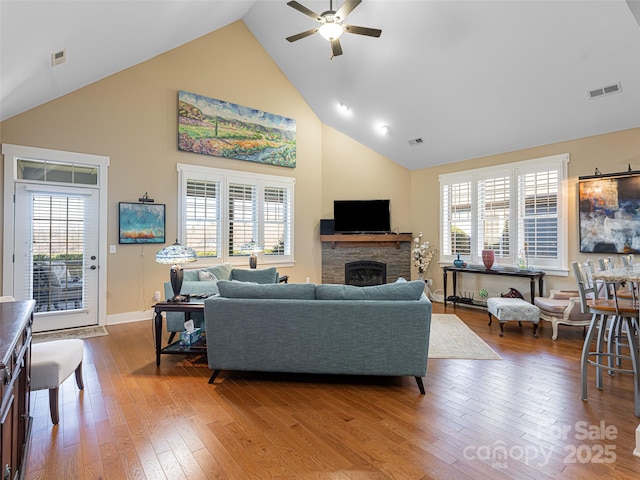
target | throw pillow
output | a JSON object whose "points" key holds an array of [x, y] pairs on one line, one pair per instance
{"points": [[206, 276]]}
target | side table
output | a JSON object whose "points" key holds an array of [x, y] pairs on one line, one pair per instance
{"points": [[187, 308]]}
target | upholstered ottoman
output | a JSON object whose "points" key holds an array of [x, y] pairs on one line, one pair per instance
{"points": [[513, 309], [51, 364]]}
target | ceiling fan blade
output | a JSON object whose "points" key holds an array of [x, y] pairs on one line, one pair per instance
{"points": [[336, 48], [305, 10], [371, 32], [298, 36], [346, 8]]}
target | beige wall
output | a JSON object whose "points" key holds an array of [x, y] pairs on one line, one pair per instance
{"points": [[610, 153], [132, 118], [351, 171]]}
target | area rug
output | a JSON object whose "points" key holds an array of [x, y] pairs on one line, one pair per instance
{"points": [[82, 332], [451, 338]]}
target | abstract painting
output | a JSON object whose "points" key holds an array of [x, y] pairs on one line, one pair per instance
{"points": [[223, 129], [610, 215], [141, 223]]}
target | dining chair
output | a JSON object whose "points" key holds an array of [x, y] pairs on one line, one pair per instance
{"points": [[601, 309]]}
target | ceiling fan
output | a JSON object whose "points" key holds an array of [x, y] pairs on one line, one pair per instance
{"points": [[331, 26]]}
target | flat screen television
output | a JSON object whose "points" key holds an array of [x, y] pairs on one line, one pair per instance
{"points": [[362, 216]]}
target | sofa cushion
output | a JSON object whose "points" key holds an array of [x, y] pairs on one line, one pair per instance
{"points": [[190, 275], [290, 291], [391, 291], [266, 275], [553, 306]]}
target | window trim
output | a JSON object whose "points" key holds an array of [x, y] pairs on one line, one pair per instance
{"points": [[225, 177], [513, 170]]}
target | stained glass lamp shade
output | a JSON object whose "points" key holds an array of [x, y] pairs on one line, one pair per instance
{"points": [[176, 255]]}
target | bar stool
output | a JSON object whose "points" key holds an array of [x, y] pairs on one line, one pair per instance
{"points": [[625, 312], [625, 290]]}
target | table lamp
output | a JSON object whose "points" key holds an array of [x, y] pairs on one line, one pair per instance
{"points": [[176, 255], [253, 247]]}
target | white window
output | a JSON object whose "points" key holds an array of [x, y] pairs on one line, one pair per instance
{"points": [[225, 215], [518, 210]]}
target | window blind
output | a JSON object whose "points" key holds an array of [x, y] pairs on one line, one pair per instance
{"points": [[243, 227], [456, 211], [202, 217], [493, 215]]}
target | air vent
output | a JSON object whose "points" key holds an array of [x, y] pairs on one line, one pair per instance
{"points": [[416, 141], [58, 57], [608, 90]]}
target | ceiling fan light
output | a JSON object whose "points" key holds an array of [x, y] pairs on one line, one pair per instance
{"points": [[331, 30]]}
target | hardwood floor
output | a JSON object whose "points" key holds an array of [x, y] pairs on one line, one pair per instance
{"points": [[517, 418]]}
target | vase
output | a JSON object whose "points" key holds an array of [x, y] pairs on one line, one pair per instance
{"points": [[488, 257], [420, 275], [458, 262]]}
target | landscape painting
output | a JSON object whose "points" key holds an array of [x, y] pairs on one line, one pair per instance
{"points": [[610, 215], [223, 129], [141, 223]]}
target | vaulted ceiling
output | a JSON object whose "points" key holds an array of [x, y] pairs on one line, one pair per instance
{"points": [[466, 78]]}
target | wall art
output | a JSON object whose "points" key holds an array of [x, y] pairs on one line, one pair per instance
{"points": [[141, 222], [223, 129], [610, 215]]}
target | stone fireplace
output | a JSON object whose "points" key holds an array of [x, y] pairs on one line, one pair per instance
{"points": [[365, 273], [393, 251]]}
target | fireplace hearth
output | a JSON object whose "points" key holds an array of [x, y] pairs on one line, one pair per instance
{"points": [[365, 273]]}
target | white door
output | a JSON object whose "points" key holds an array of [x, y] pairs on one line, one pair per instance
{"points": [[56, 253]]}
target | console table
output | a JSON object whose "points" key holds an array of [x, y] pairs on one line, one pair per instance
{"points": [[532, 275]]}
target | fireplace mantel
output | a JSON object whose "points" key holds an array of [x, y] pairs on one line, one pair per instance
{"points": [[366, 240]]}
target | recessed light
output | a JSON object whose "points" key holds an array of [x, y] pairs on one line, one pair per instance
{"points": [[344, 108], [383, 129]]}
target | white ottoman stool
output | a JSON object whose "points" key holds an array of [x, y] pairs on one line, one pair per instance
{"points": [[51, 364], [513, 309]]}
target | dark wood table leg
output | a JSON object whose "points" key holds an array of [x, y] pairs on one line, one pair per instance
{"points": [[158, 325], [533, 288], [444, 278], [540, 286], [455, 286]]}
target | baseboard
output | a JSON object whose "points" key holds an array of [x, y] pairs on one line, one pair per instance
{"points": [[129, 317]]}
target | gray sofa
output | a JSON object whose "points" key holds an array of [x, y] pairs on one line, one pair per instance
{"points": [[204, 282], [326, 329]]}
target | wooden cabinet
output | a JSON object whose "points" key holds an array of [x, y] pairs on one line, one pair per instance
{"points": [[16, 319]]}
